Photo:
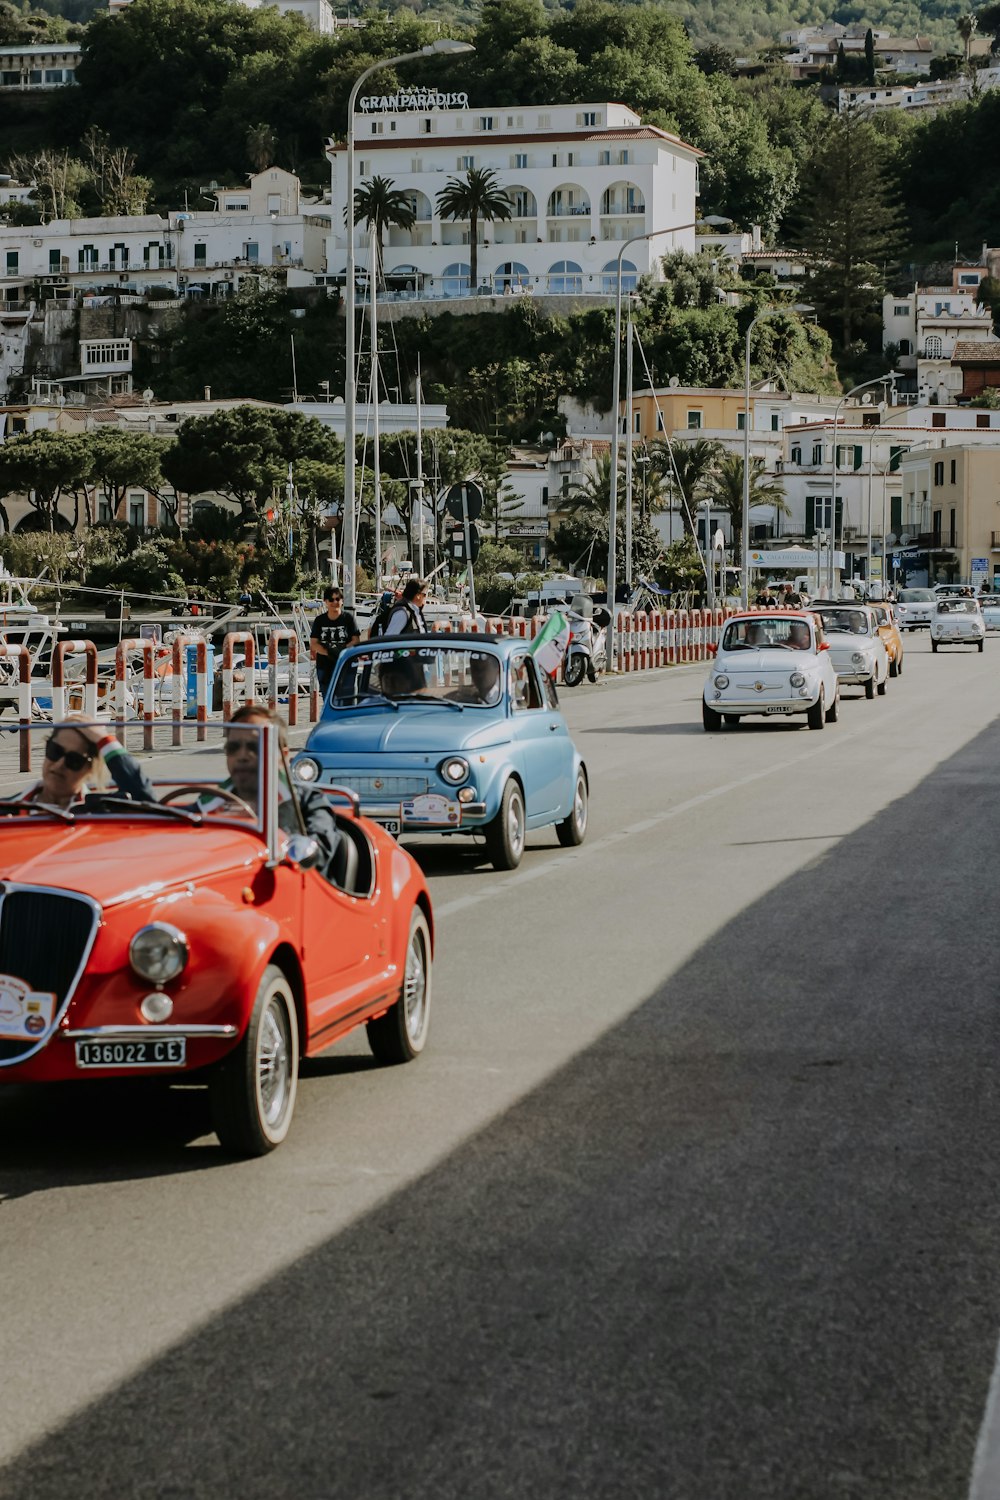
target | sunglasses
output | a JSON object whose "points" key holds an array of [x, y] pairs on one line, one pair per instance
{"points": [[75, 759], [335, 599], [242, 744]]}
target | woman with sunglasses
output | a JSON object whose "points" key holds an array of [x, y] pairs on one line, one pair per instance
{"points": [[81, 757]]}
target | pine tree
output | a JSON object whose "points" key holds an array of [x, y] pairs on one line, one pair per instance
{"points": [[852, 228]]}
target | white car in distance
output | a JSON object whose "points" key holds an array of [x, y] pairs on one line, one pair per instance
{"points": [[957, 621], [776, 664], [914, 608], [858, 651]]}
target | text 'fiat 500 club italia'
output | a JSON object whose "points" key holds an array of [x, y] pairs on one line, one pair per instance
{"points": [[775, 664], [205, 936], [455, 734]]}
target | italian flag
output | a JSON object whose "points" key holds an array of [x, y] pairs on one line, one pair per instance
{"points": [[549, 645]]}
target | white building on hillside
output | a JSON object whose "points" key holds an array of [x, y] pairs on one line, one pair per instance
{"points": [[316, 13], [581, 178], [51, 65], [926, 325]]}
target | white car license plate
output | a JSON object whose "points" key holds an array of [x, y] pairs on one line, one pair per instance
{"points": [[431, 808], [391, 825], [778, 709], [158, 1052]]}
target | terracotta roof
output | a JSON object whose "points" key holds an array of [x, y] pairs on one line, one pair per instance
{"points": [[515, 138], [977, 352]]}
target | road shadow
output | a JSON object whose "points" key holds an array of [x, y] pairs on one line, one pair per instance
{"points": [[744, 1247]]}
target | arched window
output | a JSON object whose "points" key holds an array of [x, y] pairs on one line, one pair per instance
{"points": [[609, 277], [904, 346], [456, 279], [511, 275], [622, 198], [421, 205], [568, 201], [933, 346], [565, 277], [523, 204]]}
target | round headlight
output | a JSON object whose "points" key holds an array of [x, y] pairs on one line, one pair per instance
{"points": [[306, 770], [858, 659], [797, 680], [158, 952], [157, 1007], [454, 769], [722, 681]]}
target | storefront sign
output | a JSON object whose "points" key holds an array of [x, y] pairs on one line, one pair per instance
{"points": [[411, 99]]}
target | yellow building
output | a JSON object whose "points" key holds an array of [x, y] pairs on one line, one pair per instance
{"points": [[702, 411], [950, 515]]}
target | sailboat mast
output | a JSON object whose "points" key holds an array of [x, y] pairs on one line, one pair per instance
{"points": [[374, 395], [419, 486], [628, 453]]}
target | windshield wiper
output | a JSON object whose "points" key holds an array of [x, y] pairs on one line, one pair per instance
{"points": [[366, 700], [420, 698], [46, 807]]}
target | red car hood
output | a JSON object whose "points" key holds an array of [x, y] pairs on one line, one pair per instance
{"points": [[113, 861]]}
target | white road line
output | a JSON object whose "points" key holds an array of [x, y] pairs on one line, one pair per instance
{"points": [[492, 891], [985, 1482]]}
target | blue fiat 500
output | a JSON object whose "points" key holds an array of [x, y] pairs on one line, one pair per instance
{"points": [[450, 734]]}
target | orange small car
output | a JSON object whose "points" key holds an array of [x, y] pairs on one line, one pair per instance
{"points": [[891, 637]]}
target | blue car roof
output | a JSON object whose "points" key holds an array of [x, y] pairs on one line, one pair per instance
{"points": [[503, 644]]}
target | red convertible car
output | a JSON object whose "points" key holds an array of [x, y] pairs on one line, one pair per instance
{"points": [[192, 937]]}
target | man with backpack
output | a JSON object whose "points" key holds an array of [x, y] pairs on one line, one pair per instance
{"points": [[407, 617]]}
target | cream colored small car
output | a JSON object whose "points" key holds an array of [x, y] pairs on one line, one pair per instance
{"points": [[775, 663], [957, 621]]}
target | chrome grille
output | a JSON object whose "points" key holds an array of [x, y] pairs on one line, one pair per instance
{"points": [[45, 940], [379, 788]]}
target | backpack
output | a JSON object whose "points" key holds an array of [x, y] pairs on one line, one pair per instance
{"points": [[382, 617]]}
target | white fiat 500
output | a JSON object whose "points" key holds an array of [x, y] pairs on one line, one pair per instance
{"points": [[914, 608], [957, 622], [858, 651], [775, 664]]}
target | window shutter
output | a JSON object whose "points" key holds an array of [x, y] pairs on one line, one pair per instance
{"points": [[810, 516], [857, 455], [896, 514], [839, 519], [895, 454]]}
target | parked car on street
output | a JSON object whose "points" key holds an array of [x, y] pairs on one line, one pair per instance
{"points": [[457, 734], [914, 608], [775, 664], [957, 621], [858, 651], [192, 938]]}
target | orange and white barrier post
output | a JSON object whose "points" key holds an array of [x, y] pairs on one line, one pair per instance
{"points": [[60, 651], [180, 645], [237, 639], [22, 656], [124, 651], [274, 640]]}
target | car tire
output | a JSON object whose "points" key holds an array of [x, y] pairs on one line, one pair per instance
{"points": [[505, 834], [252, 1092], [816, 715], [894, 668], [934, 645], [881, 686], [833, 712], [573, 830], [870, 688], [732, 720], [899, 667], [980, 646], [400, 1034], [575, 670], [709, 717]]}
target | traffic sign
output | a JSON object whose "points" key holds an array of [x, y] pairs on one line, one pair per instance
{"points": [[456, 543], [980, 565], [470, 494]]}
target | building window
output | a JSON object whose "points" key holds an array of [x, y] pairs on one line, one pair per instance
{"points": [[486, 122], [136, 512], [12, 262], [982, 419], [545, 122], [694, 420], [55, 263], [954, 470], [774, 421], [951, 527], [588, 117], [104, 510], [201, 255], [936, 524], [939, 419], [933, 346], [624, 158], [817, 457], [969, 278], [95, 355], [941, 307], [519, 161], [659, 421], [796, 455], [637, 421], [426, 126], [741, 421], [466, 163], [939, 473], [604, 158], [545, 494], [904, 346], [901, 310]]}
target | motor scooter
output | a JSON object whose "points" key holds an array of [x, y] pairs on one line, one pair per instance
{"points": [[587, 652]]}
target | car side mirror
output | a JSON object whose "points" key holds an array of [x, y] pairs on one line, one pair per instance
{"points": [[712, 649], [302, 852], [823, 646]]}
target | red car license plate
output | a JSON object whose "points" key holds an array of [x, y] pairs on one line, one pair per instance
{"points": [[159, 1052]]}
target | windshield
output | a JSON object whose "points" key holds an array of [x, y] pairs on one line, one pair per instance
{"points": [[845, 622], [958, 607], [916, 596], [459, 675], [761, 633]]}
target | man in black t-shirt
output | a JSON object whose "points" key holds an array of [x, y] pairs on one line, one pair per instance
{"points": [[331, 632]]}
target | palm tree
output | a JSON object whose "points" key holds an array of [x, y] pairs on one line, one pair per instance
{"points": [[378, 205], [261, 146], [966, 27], [725, 490], [593, 491], [692, 467], [476, 196]]}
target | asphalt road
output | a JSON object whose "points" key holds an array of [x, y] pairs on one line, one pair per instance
{"points": [[693, 1195]]}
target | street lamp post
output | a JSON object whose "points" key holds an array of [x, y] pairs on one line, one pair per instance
{"points": [[890, 378], [615, 400], [349, 543], [769, 312]]}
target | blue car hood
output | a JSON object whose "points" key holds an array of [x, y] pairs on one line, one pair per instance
{"points": [[411, 731]]}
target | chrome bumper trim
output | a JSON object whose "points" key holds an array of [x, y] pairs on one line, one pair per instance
{"points": [[144, 1033]]}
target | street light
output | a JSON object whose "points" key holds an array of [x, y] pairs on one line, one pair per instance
{"points": [[890, 378], [349, 546], [769, 312], [636, 239]]}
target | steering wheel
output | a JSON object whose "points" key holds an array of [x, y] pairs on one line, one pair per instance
{"points": [[216, 791]]}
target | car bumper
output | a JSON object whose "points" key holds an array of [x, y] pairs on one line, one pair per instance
{"points": [[57, 1060], [470, 814], [783, 706], [856, 675]]}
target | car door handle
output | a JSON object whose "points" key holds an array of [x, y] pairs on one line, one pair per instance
{"points": [[553, 728]]}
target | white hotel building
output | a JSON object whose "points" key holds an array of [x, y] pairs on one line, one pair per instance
{"points": [[581, 178]]}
